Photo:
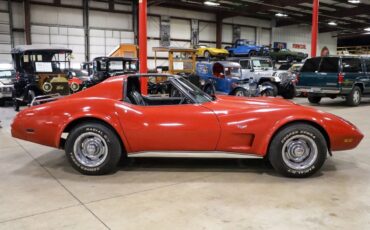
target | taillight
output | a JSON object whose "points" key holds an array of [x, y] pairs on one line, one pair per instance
{"points": [[17, 76], [297, 78], [340, 78]]}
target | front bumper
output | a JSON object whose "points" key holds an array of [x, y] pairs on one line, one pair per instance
{"points": [[6, 91]]}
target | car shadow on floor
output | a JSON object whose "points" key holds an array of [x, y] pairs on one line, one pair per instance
{"points": [[56, 161], [338, 103]]}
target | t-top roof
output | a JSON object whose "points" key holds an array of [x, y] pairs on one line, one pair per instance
{"points": [[30, 48]]}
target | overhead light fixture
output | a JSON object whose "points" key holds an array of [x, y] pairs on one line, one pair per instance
{"points": [[211, 3], [281, 15], [367, 29], [332, 23], [354, 1]]}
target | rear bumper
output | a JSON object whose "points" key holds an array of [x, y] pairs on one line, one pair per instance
{"points": [[318, 90]]}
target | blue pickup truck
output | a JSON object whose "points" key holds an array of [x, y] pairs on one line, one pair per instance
{"points": [[225, 77], [335, 76], [243, 47]]}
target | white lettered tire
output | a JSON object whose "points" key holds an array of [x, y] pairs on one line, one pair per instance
{"points": [[93, 149], [298, 150]]}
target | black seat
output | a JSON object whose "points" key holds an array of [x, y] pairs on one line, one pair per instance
{"points": [[136, 98]]}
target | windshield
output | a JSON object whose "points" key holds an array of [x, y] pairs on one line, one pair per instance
{"points": [[195, 92], [261, 64], [6, 73], [46, 61]]}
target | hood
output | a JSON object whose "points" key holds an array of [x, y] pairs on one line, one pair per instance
{"points": [[6, 81], [226, 105]]}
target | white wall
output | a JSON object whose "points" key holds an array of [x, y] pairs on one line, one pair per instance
{"points": [[298, 34]]}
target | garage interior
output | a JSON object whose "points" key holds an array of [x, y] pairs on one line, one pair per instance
{"points": [[40, 190]]}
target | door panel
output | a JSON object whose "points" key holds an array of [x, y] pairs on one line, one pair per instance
{"points": [[169, 127]]}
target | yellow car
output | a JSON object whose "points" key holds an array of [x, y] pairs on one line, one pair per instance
{"points": [[207, 52]]}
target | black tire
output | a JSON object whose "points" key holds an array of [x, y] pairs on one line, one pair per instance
{"points": [[231, 54], [2, 102], [289, 92], [275, 89], [314, 99], [252, 53], [210, 89], [240, 92], [267, 93], [307, 162], [103, 133], [207, 54], [354, 97]]}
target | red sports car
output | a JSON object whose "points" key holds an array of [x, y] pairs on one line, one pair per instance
{"points": [[102, 125]]}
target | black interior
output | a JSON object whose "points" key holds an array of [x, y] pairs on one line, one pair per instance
{"points": [[133, 95]]}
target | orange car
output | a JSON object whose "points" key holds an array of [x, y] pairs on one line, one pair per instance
{"points": [[113, 119]]}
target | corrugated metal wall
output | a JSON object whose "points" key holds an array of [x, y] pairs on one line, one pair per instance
{"points": [[5, 35]]}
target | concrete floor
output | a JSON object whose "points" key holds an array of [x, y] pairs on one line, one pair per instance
{"points": [[40, 190]]}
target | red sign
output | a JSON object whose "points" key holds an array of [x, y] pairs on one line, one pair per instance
{"points": [[299, 46]]}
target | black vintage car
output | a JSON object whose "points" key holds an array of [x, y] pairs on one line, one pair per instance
{"points": [[41, 71], [102, 68]]}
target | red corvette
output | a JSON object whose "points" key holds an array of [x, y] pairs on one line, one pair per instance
{"points": [[101, 125]]}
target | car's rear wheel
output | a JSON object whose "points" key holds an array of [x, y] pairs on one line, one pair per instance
{"points": [[289, 92], [298, 150], [252, 53], [354, 97], [314, 99], [93, 149]]}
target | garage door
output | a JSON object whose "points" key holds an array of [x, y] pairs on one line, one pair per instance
{"points": [[102, 42], [5, 39], [207, 32], [248, 33], [68, 37], [265, 37]]}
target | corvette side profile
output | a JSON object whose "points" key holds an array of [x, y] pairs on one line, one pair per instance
{"points": [[113, 120]]}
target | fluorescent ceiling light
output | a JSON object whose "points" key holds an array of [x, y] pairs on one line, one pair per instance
{"points": [[281, 15], [332, 23], [211, 3], [367, 29], [354, 1]]}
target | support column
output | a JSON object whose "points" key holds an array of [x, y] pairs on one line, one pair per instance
{"points": [[315, 27], [27, 21], [219, 20], [143, 46], [135, 20], [86, 29]]}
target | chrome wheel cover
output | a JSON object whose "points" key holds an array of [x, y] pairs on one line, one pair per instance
{"points": [[356, 97], [90, 149], [299, 152], [240, 94]]}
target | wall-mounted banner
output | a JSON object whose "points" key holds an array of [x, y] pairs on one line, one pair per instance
{"points": [[299, 46], [194, 32], [165, 30], [236, 33], [280, 45]]}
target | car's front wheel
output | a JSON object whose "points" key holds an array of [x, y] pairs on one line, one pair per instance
{"points": [[298, 150], [240, 92], [93, 149]]}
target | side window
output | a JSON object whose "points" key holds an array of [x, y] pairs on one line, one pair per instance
{"points": [[351, 65], [311, 65], [245, 64], [329, 65], [367, 64]]}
